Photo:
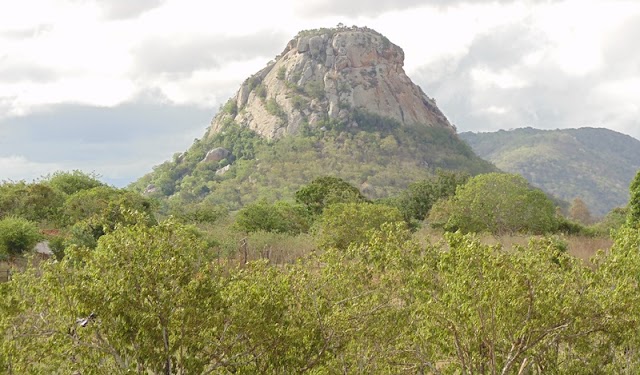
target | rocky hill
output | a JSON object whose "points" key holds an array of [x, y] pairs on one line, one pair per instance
{"points": [[596, 165], [325, 75], [334, 102]]}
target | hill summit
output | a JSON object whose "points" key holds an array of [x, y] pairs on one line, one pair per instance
{"points": [[334, 102], [327, 75]]}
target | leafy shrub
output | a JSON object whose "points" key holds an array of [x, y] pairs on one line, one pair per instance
{"points": [[315, 89], [261, 91], [275, 109], [572, 227], [230, 107], [73, 182], [298, 102], [280, 217], [498, 203], [327, 190], [343, 224], [17, 235]]}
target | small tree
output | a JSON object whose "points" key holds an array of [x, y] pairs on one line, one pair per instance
{"points": [[580, 212], [17, 235], [280, 217], [327, 190], [416, 201], [73, 182], [342, 224]]}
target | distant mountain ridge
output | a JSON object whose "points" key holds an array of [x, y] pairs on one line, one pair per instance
{"points": [[594, 164], [334, 102]]}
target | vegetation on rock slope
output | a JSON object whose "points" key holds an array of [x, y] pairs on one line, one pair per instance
{"points": [[380, 157]]}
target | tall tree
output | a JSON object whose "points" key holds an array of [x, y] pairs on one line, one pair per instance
{"points": [[579, 211]]}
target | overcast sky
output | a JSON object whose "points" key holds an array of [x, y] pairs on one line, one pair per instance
{"points": [[117, 86]]}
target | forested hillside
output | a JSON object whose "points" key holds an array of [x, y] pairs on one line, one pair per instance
{"points": [[593, 164], [380, 157]]}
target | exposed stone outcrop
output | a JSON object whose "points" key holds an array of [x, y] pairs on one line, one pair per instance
{"points": [[323, 76], [216, 155]]}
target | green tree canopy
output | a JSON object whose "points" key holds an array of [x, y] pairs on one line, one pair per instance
{"points": [[416, 201], [17, 235], [33, 201], [280, 217], [324, 191], [497, 203], [342, 224], [73, 182]]}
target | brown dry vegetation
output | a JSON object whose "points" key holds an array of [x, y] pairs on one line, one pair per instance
{"points": [[582, 247]]}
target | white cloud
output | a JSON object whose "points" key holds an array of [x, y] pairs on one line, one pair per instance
{"points": [[496, 110], [489, 64], [503, 79], [17, 168]]}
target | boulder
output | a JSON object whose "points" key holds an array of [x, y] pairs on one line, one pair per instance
{"points": [[216, 155], [315, 46], [223, 170], [303, 45]]}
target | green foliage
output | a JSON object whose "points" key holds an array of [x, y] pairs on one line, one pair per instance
{"points": [[280, 217], [374, 122], [343, 224], [381, 163], [324, 191], [315, 89], [73, 182], [299, 102], [202, 212], [261, 91], [634, 201], [416, 201], [155, 298], [17, 235], [253, 82], [571, 227], [230, 107], [35, 201], [282, 71], [566, 163], [95, 212], [140, 294], [613, 221], [500, 204], [273, 108]]}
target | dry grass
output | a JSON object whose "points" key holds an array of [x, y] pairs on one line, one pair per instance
{"points": [[586, 247], [581, 247], [5, 269]]}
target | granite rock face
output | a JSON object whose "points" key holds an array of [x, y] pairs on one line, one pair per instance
{"points": [[325, 76]]}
